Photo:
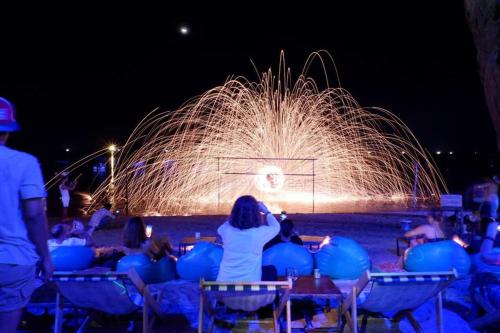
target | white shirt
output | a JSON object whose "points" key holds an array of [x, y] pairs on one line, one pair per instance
{"points": [[20, 179], [98, 215], [242, 258], [72, 241]]}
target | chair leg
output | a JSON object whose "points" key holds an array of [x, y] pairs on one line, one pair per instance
{"points": [[288, 316], [354, 312], [212, 311], [200, 313], [413, 322], [364, 323], [439, 313], [347, 321], [146, 328], [59, 315], [275, 322], [84, 324]]}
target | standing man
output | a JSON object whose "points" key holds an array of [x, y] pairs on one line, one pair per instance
{"points": [[64, 187], [23, 225]]}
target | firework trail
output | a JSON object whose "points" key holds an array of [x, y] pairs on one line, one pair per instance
{"points": [[288, 143]]}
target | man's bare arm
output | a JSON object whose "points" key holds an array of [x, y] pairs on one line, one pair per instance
{"points": [[36, 224]]}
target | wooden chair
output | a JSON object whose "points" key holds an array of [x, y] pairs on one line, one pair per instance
{"points": [[396, 293], [242, 295], [109, 292]]}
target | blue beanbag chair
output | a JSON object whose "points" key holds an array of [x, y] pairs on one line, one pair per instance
{"points": [[438, 256], [343, 259], [72, 258], [478, 265], [202, 261], [149, 271], [286, 255]]}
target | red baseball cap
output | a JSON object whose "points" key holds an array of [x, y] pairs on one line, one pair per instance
{"points": [[8, 121]]}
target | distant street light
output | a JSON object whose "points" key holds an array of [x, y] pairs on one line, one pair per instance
{"points": [[184, 30], [112, 150]]}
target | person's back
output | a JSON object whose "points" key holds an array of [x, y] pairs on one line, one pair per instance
{"points": [[430, 231], [244, 238], [20, 178], [23, 225], [242, 252]]}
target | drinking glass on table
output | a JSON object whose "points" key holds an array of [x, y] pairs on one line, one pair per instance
{"points": [[292, 274]]}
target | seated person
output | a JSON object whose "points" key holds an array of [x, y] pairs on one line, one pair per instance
{"points": [[487, 254], [135, 241], [287, 234], [65, 235], [429, 232], [249, 226], [158, 247], [134, 236], [100, 217]]}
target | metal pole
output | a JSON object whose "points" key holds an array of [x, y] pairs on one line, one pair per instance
{"points": [[218, 185], [112, 183], [415, 183], [126, 194], [314, 174]]}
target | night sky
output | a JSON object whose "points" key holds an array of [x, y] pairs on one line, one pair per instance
{"points": [[82, 77]]}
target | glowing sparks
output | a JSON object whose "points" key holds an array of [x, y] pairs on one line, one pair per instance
{"points": [[270, 179], [292, 145], [325, 241]]}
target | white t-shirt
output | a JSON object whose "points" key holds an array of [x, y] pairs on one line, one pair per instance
{"points": [[20, 179], [98, 215], [242, 258], [72, 241]]}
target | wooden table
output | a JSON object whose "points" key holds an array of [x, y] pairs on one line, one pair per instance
{"points": [[308, 286], [312, 242], [189, 241]]}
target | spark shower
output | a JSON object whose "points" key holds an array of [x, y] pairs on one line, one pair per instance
{"points": [[283, 140]]}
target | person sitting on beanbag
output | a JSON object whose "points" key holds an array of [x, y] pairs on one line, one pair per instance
{"points": [[287, 234], [65, 235], [135, 241], [429, 232]]}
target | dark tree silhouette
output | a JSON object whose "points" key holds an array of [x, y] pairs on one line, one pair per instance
{"points": [[484, 22]]}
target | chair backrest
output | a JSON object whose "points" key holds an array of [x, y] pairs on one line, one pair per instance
{"points": [[394, 292], [247, 296], [110, 292]]}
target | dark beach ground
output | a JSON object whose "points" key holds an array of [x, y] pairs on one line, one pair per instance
{"points": [[375, 232]]}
